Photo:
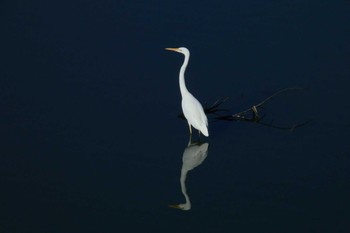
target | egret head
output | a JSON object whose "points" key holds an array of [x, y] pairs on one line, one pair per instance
{"points": [[182, 50]]}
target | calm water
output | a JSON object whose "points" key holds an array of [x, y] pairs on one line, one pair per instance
{"points": [[91, 141]]}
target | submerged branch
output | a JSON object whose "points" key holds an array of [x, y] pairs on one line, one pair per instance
{"points": [[252, 114]]}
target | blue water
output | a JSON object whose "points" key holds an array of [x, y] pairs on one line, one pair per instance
{"points": [[91, 141]]}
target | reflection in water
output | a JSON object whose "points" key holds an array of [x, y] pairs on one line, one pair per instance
{"points": [[194, 154]]}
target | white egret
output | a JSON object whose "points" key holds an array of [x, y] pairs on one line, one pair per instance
{"points": [[191, 108]]}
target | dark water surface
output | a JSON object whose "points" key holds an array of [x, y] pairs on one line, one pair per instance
{"points": [[91, 142]]}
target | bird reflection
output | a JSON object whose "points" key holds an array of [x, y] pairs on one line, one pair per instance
{"points": [[194, 154]]}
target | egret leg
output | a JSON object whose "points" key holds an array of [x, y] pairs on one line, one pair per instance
{"points": [[190, 141], [189, 125]]}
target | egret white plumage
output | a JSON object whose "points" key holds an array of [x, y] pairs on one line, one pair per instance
{"points": [[191, 107]]}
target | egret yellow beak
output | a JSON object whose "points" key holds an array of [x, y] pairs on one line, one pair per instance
{"points": [[175, 206], [172, 49]]}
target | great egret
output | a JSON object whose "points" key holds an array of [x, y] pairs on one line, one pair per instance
{"points": [[192, 109]]}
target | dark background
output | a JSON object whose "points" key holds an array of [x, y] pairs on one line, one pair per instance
{"points": [[91, 142]]}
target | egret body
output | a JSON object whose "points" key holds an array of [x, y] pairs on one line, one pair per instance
{"points": [[191, 108]]}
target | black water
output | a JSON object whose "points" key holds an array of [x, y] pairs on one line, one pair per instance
{"points": [[91, 142]]}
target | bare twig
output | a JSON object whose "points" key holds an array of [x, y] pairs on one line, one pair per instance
{"points": [[251, 114], [254, 108]]}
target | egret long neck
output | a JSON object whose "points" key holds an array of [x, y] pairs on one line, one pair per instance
{"points": [[183, 188], [183, 88]]}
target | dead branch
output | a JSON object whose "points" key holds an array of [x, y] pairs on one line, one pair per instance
{"points": [[252, 114]]}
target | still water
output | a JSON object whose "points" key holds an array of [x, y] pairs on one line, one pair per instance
{"points": [[91, 141]]}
